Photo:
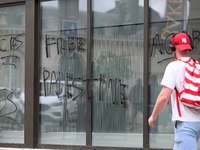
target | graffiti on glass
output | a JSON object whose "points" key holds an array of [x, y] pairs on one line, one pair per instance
{"points": [[8, 104], [163, 46], [113, 86], [72, 44], [14, 45], [6, 97]]}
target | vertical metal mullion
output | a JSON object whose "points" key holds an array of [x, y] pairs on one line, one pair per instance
{"points": [[146, 60], [31, 73], [89, 46]]}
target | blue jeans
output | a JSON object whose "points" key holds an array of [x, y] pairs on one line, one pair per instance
{"points": [[187, 135]]}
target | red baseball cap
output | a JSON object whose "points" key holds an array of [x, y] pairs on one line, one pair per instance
{"points": [[181, 41]]}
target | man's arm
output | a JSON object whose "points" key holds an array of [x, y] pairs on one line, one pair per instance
{"points": [[161, 102]]}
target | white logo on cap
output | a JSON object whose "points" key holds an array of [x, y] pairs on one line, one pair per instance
{"points": [[184, 40]]}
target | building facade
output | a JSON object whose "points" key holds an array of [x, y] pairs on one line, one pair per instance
{"points": [[85, 74]]}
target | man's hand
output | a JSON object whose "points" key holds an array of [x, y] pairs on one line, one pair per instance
{"points": [[152, 121]]}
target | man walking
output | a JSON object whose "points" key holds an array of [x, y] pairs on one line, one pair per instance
{"points": [[187, 125]]}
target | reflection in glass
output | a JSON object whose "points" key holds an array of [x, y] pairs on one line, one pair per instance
{"points": [[118, 92], [62, 73], [117, 12], [12, 37]]}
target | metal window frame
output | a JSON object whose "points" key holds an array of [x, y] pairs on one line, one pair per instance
{"points": [[145, 75], [32, 29], [89, 47], [32, 74], [8, 2]]}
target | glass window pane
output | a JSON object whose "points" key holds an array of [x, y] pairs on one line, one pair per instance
{"points": [[117, 12], [175, 17], [117, 64], [12, 52], [62, 72]]}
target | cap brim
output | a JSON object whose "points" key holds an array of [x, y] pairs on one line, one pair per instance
{"points": [[183, 47]]}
